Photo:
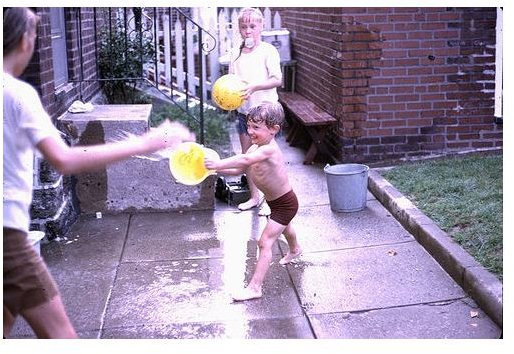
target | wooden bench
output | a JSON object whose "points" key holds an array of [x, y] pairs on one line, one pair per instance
{"points": [[306, 115]]}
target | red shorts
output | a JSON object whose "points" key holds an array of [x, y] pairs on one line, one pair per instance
{"points": [[284, 208], [27, 281]]}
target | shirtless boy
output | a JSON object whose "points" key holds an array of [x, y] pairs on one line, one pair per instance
{"points": [[264, 162]]}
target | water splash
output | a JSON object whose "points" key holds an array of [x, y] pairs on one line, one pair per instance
{"points": [[159, 155]]}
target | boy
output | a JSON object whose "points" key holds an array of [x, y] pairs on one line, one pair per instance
{"points": [[29, 288], [264, 162], [258, 64]]}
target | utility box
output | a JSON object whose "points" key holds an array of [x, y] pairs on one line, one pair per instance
{"points": [[232, 192], [280, 39]]}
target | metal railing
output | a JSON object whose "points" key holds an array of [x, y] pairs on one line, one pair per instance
{"points": [[139, 45]]}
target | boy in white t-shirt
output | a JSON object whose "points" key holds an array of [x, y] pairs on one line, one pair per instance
{"points": [[258, 64], [28, 288]]}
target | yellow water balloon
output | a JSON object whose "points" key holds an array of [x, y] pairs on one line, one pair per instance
{"points": [[226, 92], [187, 163]]}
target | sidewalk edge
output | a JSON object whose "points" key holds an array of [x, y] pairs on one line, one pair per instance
{"points": [[478, 282]]}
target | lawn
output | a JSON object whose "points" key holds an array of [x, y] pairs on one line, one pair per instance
{"points": [[464, 196]]}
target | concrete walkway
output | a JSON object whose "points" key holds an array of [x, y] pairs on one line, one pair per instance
{"points": [[169, 275]]}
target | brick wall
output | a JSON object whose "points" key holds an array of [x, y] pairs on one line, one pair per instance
{"points": [[53, 209], [403, 81], [40, 70]]}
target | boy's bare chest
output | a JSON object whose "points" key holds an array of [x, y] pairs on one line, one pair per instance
{"points": [[260, 168]]}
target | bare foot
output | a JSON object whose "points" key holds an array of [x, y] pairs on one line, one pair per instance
{"points": [[249, 204], [290, 256], [247, 294]]}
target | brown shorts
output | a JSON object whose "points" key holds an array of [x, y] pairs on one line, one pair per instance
{"points": [[27, 281], [284, 208]]}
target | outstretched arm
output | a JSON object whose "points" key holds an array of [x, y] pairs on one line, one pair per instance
{"points": [[238, 162], [231, 171], [70, 160]]}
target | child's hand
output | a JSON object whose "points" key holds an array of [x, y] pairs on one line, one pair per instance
{"points": [[168, 134], [209, 163], [247, 91]]}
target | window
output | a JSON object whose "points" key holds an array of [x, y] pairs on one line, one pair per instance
{"points": [[60, 58]]}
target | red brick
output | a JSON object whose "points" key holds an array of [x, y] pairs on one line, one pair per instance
{"points": [[441, 42]]}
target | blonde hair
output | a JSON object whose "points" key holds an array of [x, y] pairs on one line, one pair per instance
{"points": [[248, 14], [271, 113]]}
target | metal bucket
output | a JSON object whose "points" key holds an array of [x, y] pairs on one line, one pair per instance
{"points": [[347, 186]]}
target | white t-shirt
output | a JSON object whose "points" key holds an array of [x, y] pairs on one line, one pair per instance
{"points": [[256, 66], [26, 123]]}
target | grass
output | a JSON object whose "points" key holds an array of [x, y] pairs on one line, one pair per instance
{"points": [[464, 196]]}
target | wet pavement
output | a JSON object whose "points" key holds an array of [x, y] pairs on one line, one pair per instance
{"points": [[170, 275]]}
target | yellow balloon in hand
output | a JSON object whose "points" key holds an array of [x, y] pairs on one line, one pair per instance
{"points": [[226, 92], [187, 165]]}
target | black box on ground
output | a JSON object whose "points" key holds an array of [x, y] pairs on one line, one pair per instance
{"points": [[234, 192]]}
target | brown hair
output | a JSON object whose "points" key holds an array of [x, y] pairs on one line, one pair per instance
{"points": [[271, 113], [17, 22]]}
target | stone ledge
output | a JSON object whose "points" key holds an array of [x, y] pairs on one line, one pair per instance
{"points": [[135, 184]]}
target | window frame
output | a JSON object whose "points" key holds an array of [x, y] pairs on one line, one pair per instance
{"points": [[59, 47]]}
